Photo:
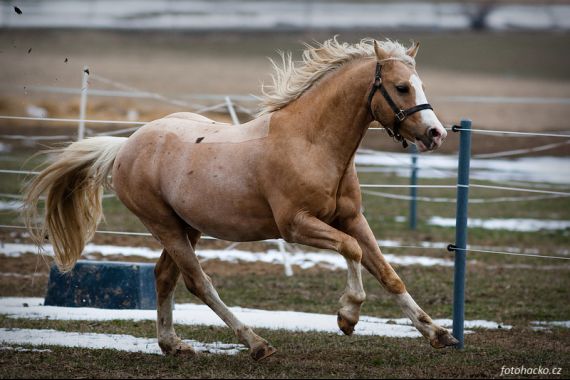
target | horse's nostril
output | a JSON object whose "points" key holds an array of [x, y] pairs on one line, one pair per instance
{"points": [[434, 133]]}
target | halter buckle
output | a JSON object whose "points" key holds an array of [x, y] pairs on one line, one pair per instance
{"points": [[401, 116]]}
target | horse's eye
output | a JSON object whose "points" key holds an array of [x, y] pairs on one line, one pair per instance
{"points": [[402, 89]]}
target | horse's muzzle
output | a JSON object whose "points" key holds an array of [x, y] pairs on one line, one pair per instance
{"points": [[432, 139]]}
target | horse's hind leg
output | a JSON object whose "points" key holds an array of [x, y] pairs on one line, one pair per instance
{"points": [[167, 274], [172, 233]]}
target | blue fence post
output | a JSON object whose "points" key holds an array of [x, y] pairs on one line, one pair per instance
{"points": [[413, 188], [461, 231]]}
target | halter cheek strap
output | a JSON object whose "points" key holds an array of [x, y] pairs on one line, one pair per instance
{"points": [[399, 114]]}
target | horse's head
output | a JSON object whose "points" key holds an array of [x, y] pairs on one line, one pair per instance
{"points": [[398, 101]]}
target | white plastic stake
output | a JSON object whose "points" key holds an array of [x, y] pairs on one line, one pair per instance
{"points": [[83, 104]]}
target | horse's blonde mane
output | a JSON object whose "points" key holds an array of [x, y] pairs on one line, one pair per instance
{"points": [[291, 81]]}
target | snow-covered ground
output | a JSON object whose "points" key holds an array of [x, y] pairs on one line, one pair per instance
{"points": [[193, 314], [129, 343], [514, 224]]}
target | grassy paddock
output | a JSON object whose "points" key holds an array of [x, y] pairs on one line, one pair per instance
{"points": [[300, 355]]}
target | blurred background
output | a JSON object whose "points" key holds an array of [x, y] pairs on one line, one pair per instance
{"points": [[477, 58]]}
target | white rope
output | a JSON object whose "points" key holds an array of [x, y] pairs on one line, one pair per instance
{"points": [[117, 132], [245, 110], [254, 98], [10, 196], [488, 131], [453, 200], [62, 120], [517, 189], [503, 99], [512, 253], [6, 171], [21, 197], [39, 138], [211, 108], [364, 186], [198, 108], [518, 152], [409, 186], [146, 234], [152, 95]]}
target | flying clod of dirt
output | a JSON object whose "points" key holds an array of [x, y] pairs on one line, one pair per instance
{"points": [[18, 10]]}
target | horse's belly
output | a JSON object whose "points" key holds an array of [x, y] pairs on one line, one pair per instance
{"points": [[229, 219]]}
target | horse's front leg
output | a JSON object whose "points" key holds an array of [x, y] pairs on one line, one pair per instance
{"points": [[306, 229], [376, 264]]}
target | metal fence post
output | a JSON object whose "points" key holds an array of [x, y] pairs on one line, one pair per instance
{"points": [[461, 231], [413, 188], [83, 104]]}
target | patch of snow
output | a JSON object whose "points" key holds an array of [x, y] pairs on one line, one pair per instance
{"points": [[545, 325], [118, 342], [272, 256], [192, 314], [36, 111], [22, 349], [521, 225]]}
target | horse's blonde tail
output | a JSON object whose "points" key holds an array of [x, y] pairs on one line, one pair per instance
{"points": [[73, 184]]}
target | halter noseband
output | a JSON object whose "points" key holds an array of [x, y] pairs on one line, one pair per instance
{"points": [[400, 114]]}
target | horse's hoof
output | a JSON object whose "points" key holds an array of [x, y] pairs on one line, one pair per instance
{"points": [[179, 349], [443, 339], [262, 351], [184, 349], [344, 324]]}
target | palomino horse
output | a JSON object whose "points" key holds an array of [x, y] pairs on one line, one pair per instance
{"points": [[288, 174]]}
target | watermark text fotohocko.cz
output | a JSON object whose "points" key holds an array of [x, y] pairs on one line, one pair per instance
{"points": [[522, 370]]}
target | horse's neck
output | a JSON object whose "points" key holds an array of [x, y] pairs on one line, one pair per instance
{"points": [[334, 113]]}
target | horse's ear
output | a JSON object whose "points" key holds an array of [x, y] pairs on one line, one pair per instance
{"points": [[413, 50], [380, 53]]}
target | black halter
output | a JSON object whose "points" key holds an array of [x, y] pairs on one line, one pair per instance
{"points": [[399, 114]]}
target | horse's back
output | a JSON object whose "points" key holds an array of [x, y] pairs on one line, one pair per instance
{"points": [[196, 129]]}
